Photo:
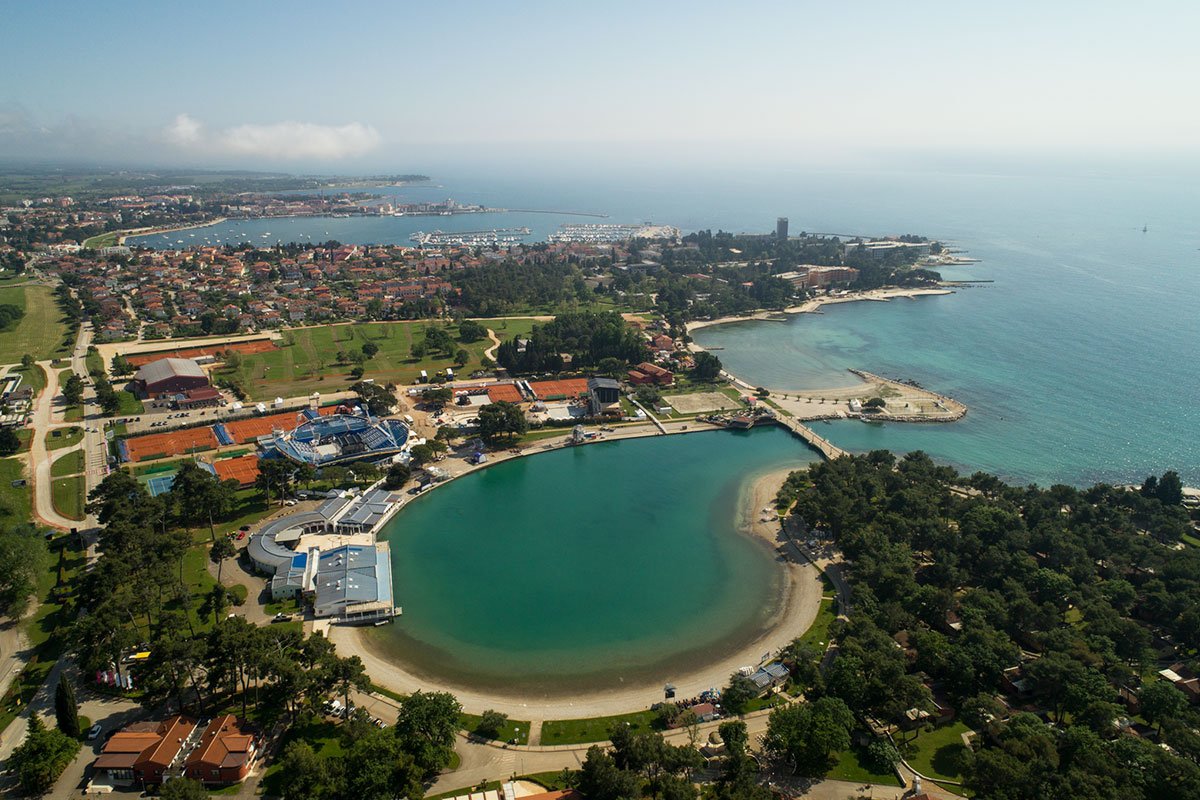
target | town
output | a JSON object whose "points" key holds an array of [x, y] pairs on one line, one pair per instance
{"points": [[215, 438]]}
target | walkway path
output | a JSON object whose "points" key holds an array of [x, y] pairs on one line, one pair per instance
{"points": [[39, 456], [819, 443], [491, 351]]}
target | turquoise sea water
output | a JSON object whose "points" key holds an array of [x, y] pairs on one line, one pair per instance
{"points": [[592, 566], [1079, 363]]}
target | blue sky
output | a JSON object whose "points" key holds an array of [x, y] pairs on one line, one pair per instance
{"points": [[298, 83]]}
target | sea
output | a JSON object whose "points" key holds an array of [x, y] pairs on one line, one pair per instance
{"points": [[1077, 358]]}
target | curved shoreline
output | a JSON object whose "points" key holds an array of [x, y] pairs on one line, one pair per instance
{"points": [[813, 306], [796, 608]]}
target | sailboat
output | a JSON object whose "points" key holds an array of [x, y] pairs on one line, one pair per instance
{"points": [[1143, 229]]}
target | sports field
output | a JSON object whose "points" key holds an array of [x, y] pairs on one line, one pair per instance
{"points": [[40, 332], [251, 346], [243, 469], [161, 445], [306, 360]]}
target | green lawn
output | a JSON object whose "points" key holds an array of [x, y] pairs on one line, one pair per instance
{"points": [[68, 464], [852, 766], [514, 729], [307, 364], [323, 737], [40, 332], [65, 438], [34, 378], [937, 753], [127, 404], [15, 502], [93, 362], [103, 240], [817, 635], [594, 729], [67, 494]]}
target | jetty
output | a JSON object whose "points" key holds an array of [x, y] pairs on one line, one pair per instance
{"points": [[750, 418], [814, 440]]}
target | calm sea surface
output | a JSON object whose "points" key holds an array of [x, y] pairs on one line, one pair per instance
{"points": [[590, 566]]}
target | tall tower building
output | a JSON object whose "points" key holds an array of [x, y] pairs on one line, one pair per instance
{"points": [[781, 224]]}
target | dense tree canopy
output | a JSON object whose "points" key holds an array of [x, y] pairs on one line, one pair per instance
{"points": [[1064, 587], [587, 337]]}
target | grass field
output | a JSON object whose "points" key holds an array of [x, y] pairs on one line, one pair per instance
{"points": [[93, 361], [513, 729], [40, 332], [852, 766], [938, 753], [15, 502], [594, 729], [69, 464], [127, 404], [67, 494], [817, 635], [34, 378], [66, 437], [306, 361], [324, 738], [103, 240]]}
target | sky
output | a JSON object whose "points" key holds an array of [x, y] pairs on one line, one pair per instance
{"points": [[388, 86]]}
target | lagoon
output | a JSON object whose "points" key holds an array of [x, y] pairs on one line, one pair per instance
{"points": [[587, 568]]}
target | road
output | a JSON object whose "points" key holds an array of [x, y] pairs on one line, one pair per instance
{"points": [[48, 415], [489, 761]]}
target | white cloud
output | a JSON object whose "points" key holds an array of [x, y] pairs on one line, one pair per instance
{"points": [[282, 140]]}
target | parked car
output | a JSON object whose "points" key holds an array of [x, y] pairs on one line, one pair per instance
{"points": [[244, 528], [241, 535], [94, 731]]}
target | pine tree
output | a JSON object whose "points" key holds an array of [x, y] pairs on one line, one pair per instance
{"points": [[66, 709]]}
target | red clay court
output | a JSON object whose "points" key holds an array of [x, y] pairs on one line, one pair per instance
{"points": [[160, 445], [245, 430], [560, 390], [506, 392], [243, 469], [254, 346]]}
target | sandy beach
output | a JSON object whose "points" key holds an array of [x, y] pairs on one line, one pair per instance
{"points": [[799, 600], [814, 305]]}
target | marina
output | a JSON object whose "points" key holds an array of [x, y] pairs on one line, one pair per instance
{"points": [[611, 232], [481, 238]]}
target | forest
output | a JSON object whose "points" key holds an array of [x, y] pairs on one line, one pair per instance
{"points": [[588, 338], [1042, 617]]}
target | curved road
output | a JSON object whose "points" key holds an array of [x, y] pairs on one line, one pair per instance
{"points": [[46, 417]]}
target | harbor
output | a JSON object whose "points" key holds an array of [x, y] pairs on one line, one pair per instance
{"points": [[490, 237]]}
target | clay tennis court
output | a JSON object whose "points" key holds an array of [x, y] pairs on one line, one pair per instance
{"points": [[506, 392], [243, 469], [557, 390], [160, 445], [245, 430], [255, 346]]}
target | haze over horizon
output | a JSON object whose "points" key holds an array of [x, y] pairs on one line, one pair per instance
{"points": [[390, 88]]}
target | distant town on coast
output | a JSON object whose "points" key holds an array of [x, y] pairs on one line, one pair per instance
{"points": [[227, 444]]}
